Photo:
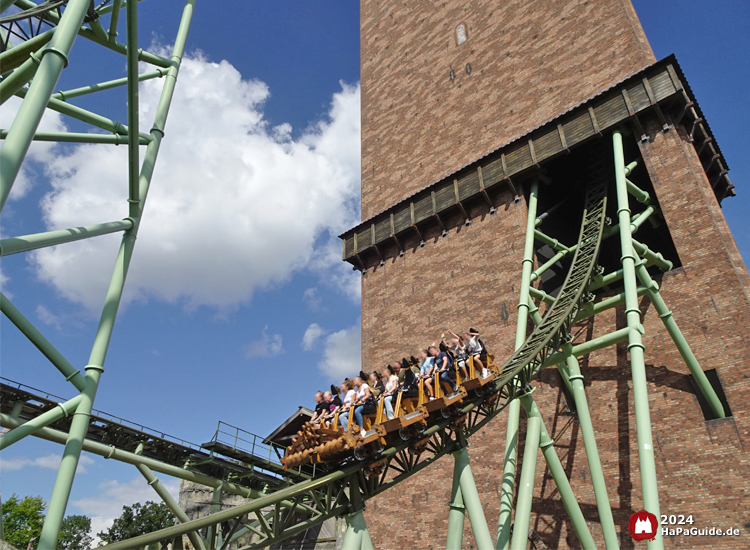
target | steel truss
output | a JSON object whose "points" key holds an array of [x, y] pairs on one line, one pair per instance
{"points": [[31, 70], [282, 507]]}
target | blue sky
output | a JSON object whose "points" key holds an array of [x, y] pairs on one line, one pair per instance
{"points": [[239, 308]]}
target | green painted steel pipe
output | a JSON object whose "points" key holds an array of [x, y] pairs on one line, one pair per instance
{"points": [[16, 80], [590, 308], [62, 410], [167, 498], [514, 409], [640, 195], [534, 312], [91, 35], [654, 258], [131, 19], [600, 281], [98, 30], [549, 263], [367, 541], [113, 21], [549, 241], [71, 373], [17, 55], [5, 4], [635, 345], [108, 85], [88, 117], [526, 486], [541, 295], [592, 345], [54, 57], [565, 377], [558, 475], [16, 245], [592, 453], [81, 137], [679, 340], [79, 426], [471, 500], [213, 532], [355, 530], [456, 514], [641, 218]]}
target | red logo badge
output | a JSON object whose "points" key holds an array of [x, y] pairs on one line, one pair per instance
{"points": [[643, 525]]}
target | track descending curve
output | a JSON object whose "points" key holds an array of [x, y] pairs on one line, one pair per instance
{"points": [[293, 509]]}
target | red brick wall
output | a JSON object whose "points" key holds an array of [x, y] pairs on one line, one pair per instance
{"points": [[530, 61], [418, 126], [703, 467]]}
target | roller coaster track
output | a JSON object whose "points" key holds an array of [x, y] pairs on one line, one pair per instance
{"points": [[286, 512], [286, 502]]}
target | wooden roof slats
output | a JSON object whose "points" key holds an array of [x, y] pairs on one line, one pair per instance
{"points": [[647, 90]]}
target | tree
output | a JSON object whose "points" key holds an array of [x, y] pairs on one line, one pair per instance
{"points": [[137, 520], [23, 520], [75, 533]]}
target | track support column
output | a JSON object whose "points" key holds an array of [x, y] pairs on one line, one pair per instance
{"points": [[514, 408], [592, 453], [559, 476], [526, 486], [356, 528], [635, 344], [471, 500], [679, 341], [456, 514]]}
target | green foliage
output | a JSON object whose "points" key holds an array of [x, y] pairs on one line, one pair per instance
{"points": [[23, 520], [138, 519], [75, 533]]}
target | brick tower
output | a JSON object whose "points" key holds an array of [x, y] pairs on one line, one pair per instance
{"points": [[462, 101]]}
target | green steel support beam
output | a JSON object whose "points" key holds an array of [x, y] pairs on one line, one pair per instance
{"points": [[195, 539], [17, 55], [559, 477], [456, 514], [514, 408], [635, 345], [86, 116], [554, 244], [654, 258], [473, 505], [113, 21], [108, 85], [679, 340], [5, 4], [565, 375], [526, 486], [591, 308], [211, 536], [18, 78], [54, 57], [355, 531], [592, 453], [62, 410], [16, 245], [131, 17], [79, 426], [592, 345], [81, 137], [72, 374]]}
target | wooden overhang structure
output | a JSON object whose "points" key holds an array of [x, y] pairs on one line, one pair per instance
{"points": [[659, 90]]}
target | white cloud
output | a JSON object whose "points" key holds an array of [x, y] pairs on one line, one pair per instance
{"points": [[39, 151], [104, 507], [267, 346], [343, 353], [47, 317], [313, 332], [235, 205], [51, 462], [311, 298]]}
